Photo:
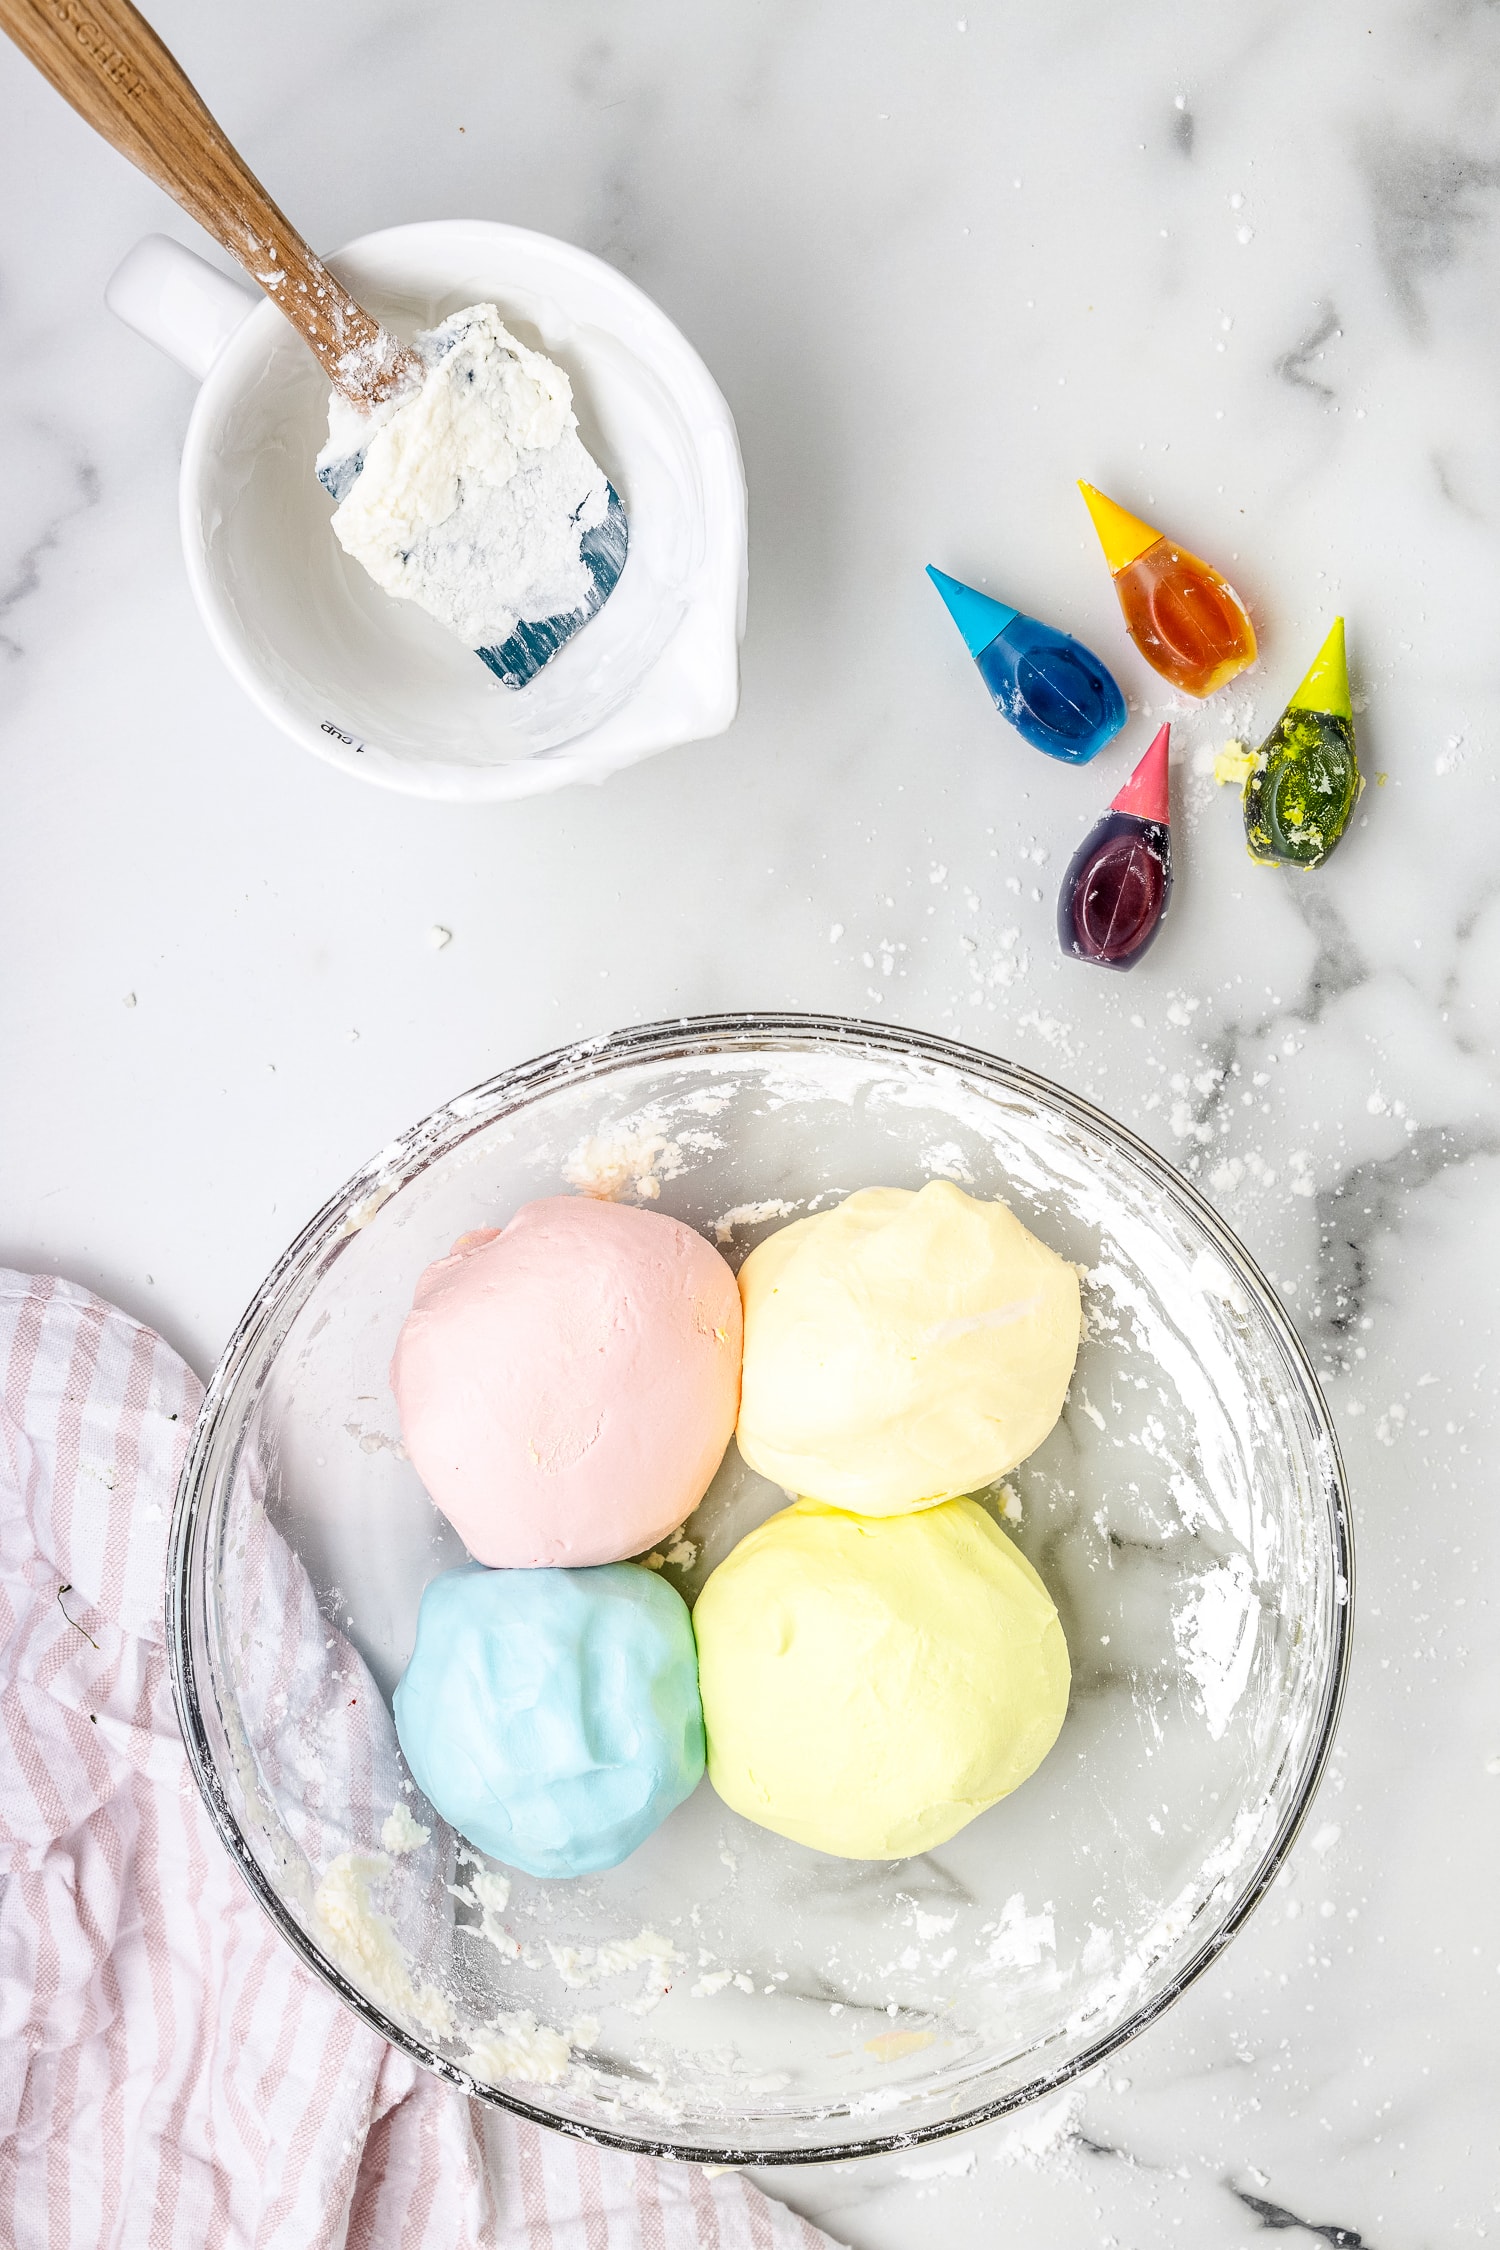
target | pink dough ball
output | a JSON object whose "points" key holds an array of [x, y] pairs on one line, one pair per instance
{"points": [[567, 1387]]}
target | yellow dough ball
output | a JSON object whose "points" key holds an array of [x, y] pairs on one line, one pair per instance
{"points": [[869, 1685], [902, 1348]]}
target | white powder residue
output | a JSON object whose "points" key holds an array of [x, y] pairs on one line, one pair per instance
{"points": [[750, 1215], [1098, 1949], [1215, 1632], [401, 1833], [946, 1161], [1212, 1276], [363, 1944], [1019, 1940], [1042, 2131], [491, 1890], [491, 1894], [475, 491], [1208, 1378], [1193, 1506], [1051, 1028], [586, 1965], [929, 1926], [628, 1157], [1114, 1993], [518, 2047]]}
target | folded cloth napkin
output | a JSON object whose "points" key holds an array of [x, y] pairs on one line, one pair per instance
{"points": [[170, 2075]]}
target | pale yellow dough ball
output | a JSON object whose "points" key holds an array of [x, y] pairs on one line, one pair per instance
{"points": [[902, 1348], [871, 1684]]}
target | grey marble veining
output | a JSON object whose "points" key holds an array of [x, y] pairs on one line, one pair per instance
{"points": [[1239, 265]]}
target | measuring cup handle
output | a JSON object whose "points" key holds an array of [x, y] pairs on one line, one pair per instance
{"points": [[177, 301]]}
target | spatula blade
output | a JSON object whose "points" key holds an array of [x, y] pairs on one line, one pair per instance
{"points": [[536, 641]]}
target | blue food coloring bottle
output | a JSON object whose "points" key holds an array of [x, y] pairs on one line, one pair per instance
{"points": [[1055, 693]]}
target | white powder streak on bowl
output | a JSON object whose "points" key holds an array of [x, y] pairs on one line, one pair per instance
{"points": [[520, 2049], [1019, 1940], [364, 1945], [606, 1164], [1134, 1970], [1215, 1632], [491, 1894], [361, 1941], [581, 1967], [750, 1215]]}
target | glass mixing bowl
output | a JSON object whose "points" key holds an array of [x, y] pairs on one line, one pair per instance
{"points": [[727, 1994]]}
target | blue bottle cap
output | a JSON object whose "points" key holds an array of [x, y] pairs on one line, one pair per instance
{"points": [[976, 616]]}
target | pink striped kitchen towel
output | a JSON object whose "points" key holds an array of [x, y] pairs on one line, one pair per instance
{"points": [[171, 2078]]}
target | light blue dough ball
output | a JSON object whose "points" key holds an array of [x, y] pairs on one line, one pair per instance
{"points": [[552, 1716]]}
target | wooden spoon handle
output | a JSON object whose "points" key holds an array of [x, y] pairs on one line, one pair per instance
{"points": [[106, 60]]}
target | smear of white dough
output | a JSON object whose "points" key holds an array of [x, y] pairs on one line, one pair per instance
{"points": [[401, 1833], [750, 1215], [518, 2047], [586, 1965], [476, 491], [608, 1163], [363, 1944]]}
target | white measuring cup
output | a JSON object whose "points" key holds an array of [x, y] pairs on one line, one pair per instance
{"points": [[373, 685]]}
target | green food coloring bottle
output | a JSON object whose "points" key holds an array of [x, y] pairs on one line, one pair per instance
{"points": [[1305, 781]]}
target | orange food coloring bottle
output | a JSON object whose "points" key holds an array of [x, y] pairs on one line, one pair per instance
{"points": [[1188, 622]]}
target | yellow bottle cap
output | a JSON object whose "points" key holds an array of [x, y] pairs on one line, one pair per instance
{"points": [[1121, 535], [1326, 687]]}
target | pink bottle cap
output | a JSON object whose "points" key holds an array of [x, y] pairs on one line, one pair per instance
{"points": [[1145, 793]]}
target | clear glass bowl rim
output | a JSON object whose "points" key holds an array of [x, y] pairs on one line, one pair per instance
{"points": [[686, 1038]]}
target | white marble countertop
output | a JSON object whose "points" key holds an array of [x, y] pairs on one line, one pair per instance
{"points": [[1239, 265]]}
